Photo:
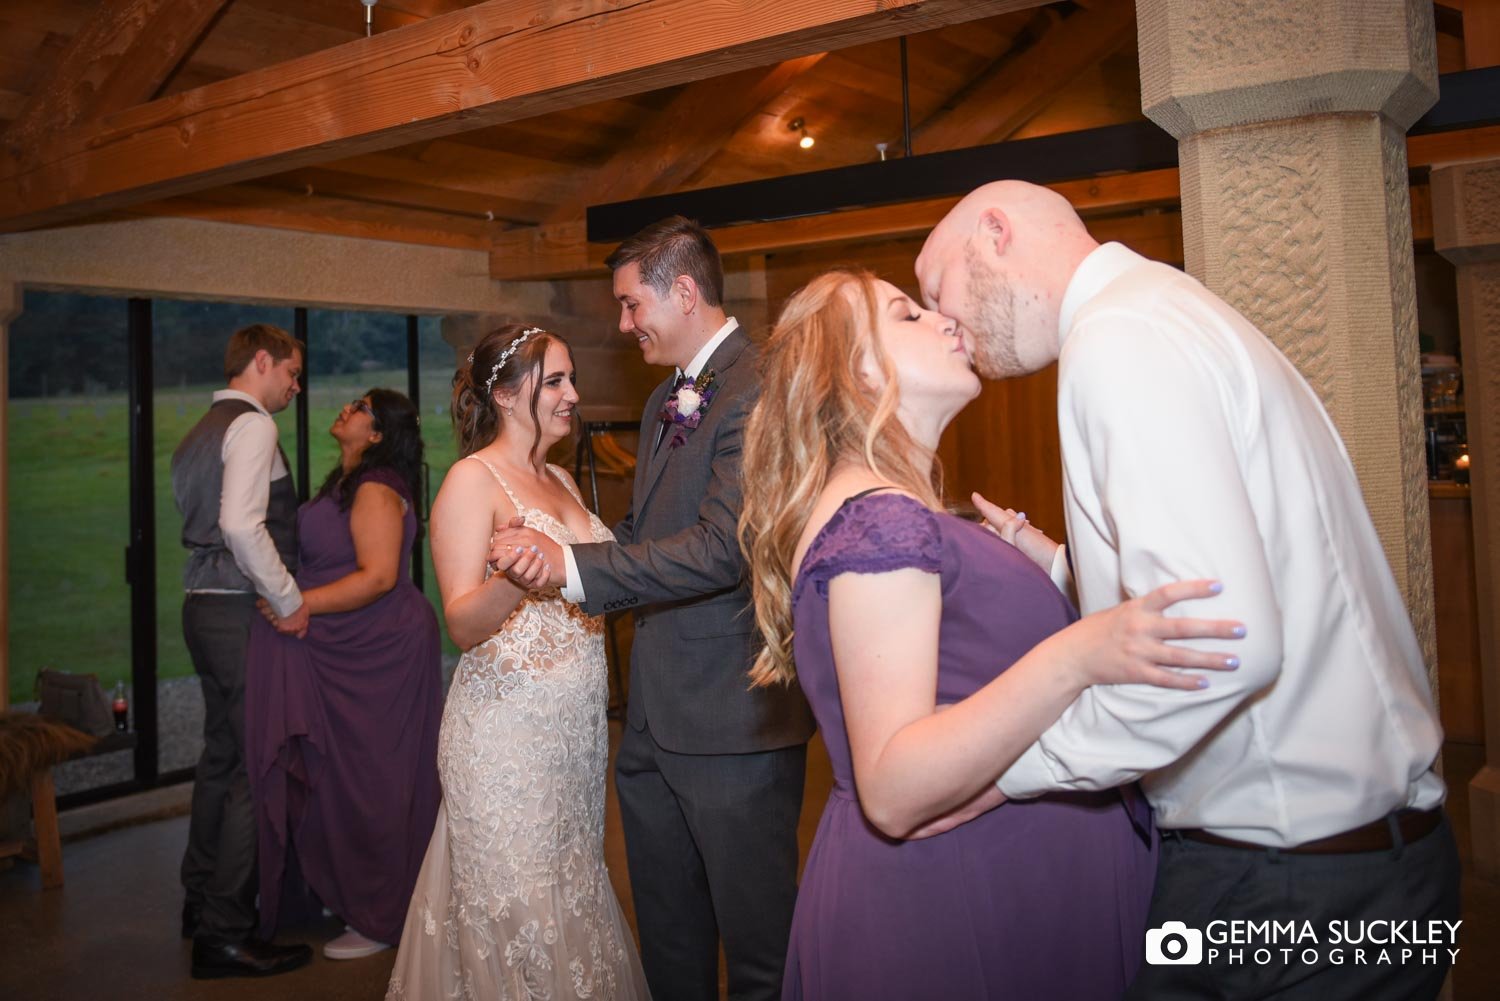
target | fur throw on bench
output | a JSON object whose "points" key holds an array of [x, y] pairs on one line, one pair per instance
{"points": [[29, 743]]}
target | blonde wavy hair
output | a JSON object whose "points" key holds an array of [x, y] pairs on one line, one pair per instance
{"points": [[815, 411]]}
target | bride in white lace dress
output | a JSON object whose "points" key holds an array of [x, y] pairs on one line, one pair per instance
{"points": [[513, 900]]}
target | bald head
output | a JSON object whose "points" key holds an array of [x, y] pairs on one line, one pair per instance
{"points": [[999, 263]]}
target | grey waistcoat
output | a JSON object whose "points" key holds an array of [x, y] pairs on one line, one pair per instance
{"points": [[198, 484]]}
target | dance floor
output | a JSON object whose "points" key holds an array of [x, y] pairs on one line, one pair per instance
{"points": [[111, 932]]}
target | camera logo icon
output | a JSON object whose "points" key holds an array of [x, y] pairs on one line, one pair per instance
{"points": [[1174, 944]]}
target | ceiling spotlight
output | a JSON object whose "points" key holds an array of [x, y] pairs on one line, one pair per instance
{"points": [[798, 125]]}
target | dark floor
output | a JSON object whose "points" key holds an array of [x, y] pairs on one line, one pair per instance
{"points": [[111, 931]]}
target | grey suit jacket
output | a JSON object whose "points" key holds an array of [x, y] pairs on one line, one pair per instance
{"points": [[678, 565]]}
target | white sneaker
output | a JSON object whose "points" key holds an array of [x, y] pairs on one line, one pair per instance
{"points": [[352, 945]]}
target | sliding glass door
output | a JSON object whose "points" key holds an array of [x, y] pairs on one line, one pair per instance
{"points": [[101, 391]]}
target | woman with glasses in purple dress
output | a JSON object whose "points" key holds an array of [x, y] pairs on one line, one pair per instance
{"points": [[342, 720]]}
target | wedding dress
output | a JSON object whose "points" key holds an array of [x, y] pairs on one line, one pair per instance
{"points": [[513, 900]]}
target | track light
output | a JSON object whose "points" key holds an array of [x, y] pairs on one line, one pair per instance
{"points": [[798, 125]]}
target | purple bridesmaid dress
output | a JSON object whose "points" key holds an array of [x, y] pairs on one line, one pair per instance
{"points": [[1036, 900], [341, 734]]}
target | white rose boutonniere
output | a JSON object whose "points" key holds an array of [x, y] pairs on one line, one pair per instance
{"points": [[684, 408]]}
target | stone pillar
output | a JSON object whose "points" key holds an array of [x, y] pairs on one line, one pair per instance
{"points": [[1291, 119], [10, 308], [1466, 230]]}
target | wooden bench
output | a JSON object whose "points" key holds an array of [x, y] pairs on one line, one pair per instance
{"points": [[30, 746]]}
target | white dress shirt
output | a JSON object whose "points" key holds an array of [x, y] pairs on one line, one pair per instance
{"points": [[251, 461], [573, 589], [1192, 448]]}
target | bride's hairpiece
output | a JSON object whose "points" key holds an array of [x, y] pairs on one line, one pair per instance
{"points": [[510, 349]]}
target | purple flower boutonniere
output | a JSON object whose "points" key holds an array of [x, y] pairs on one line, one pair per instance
{"points": [[684, 409]]}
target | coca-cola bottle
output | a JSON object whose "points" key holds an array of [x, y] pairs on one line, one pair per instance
{"points": [[121, 708]]}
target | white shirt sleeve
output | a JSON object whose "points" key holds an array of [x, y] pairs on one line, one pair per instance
{"points": [[1151, 458], [1062, 574], [573, 589], [249, 453]]}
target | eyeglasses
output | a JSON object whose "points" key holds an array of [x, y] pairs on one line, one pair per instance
{"points": [[360, 404]]}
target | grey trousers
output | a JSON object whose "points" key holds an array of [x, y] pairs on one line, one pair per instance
{"points": [[1198, 884], [711, 843], [219, 866]]}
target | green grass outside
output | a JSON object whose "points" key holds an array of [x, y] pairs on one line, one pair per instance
{"points": [[69, 517]]}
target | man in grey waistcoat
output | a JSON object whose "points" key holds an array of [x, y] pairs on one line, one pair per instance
{"points": [[709, 771], [234, 488]]}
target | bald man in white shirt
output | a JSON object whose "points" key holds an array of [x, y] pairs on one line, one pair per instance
{"points": [[1299, 787]]}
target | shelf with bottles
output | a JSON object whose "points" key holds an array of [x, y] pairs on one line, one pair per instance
{"points": [[1445, 422]]}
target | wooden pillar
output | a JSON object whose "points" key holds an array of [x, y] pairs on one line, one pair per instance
{"points": [[1291, 121], [1481, 33], [1466, 230], [746, 295], [10, 308]]}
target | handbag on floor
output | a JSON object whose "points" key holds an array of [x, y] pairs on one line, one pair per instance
{"points": [[74, 699]]}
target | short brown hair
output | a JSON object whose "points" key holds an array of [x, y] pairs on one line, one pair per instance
{"points": [[247, 341], [672, 247]]}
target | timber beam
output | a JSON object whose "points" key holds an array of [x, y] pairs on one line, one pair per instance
{"points": [[564, 251], [488, 64]]}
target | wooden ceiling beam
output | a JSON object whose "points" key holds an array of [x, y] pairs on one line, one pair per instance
{"points": [[1019, 86], [495, 62], [489, 187], [254, 205], [562, 251], [1481, 23], [119, 58], [685, 135]]}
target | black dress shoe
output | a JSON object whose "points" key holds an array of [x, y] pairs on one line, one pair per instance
{"points": [[250, 958], [192, 913]]}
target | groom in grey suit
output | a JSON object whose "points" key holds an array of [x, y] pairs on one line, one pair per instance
{"points": [[709, 771]]}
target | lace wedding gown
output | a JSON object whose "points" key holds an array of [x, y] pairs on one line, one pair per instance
{"points": [[513, 900]]}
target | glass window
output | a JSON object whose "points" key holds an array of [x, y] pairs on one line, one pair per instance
{"points": [[438, 360], [188, 340], [69, 504]]}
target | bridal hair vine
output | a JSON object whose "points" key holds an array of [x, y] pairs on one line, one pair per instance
{"points": [[510, 349]]}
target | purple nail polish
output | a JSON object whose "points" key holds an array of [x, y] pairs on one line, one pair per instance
{"points": [[1238, 632], [1202, 682], [1216, 587], [1231, 662]]}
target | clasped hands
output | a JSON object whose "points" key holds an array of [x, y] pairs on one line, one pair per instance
{"points": [[293, 625], [531, 560]]}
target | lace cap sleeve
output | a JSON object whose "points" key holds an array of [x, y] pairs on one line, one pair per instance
{"points": [[876, 534]]}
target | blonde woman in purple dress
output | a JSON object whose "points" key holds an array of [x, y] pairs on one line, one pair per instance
{"points": [[920, 883]]}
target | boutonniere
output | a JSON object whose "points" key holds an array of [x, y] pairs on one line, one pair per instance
{"points": [[684, 409]]}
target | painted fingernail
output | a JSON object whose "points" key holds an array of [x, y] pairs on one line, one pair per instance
{"points": [[1202, 682], [519, 549], [1021, 515], [533, 549], [1231, 662], [1238, 632], [1216, 587]]}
